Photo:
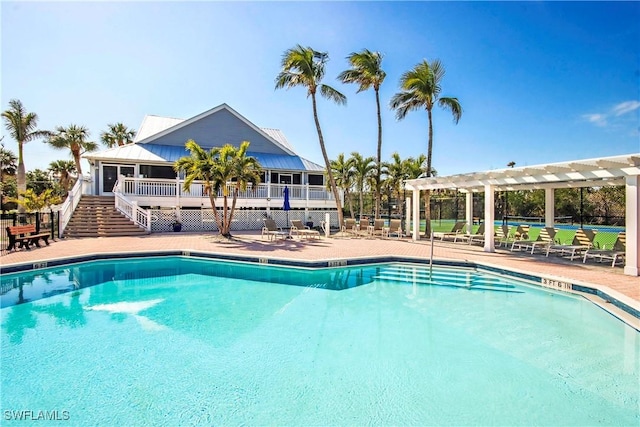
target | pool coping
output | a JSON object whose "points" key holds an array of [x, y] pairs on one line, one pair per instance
{"points": [[617, 304]]}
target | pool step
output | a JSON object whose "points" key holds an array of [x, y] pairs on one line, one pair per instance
{"points": [[440, 277]]}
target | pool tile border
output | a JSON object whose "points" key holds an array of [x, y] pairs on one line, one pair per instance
{"points": [[544, 281]]}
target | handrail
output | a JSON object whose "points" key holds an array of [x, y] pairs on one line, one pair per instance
{"points": [[69, 205], [130, 209]]}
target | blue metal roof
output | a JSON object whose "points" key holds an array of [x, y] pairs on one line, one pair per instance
{"points": [[267, 161]]}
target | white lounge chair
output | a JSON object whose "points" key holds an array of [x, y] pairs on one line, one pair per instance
{"points": [[615, 254]]}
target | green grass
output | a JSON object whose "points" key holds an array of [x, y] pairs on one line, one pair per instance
{"points": [[564, 236]]}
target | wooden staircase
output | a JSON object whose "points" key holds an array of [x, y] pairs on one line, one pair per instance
{"points": [[96, 216]]}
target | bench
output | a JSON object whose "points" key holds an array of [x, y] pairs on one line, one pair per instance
{"points": [[25, 235]]}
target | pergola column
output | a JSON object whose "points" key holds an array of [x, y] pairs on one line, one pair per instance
{"points": [[469, 211], [489, 201], [632, 258], [416, 214], [407, 220], [549, 207]]}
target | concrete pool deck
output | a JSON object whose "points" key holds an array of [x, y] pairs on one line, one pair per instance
{"points": [[610, 280]]}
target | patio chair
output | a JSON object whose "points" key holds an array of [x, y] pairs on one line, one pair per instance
{"points": [[478, 236], [617, 252], [395, 227], [502, 235], [457, 228], [272, 231], [582, 241], [545, 238], [520, 233], [377, 228], [364, 228], [301, 230], [350, 227]]}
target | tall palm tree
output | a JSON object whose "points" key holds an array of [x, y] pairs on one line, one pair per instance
{"points": [[366, 71], [343, 174], [303, 66], [23, 127], [74, 138], [63, 170], [117, 135], [363, 168], [420, 89], [217, 168]]}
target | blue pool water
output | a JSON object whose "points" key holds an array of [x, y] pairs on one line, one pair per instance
{"points": [[178, 341]]}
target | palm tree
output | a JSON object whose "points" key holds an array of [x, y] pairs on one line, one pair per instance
{"points": [[366, 71], [218, 167], [117, 135], [303, 66], [420, 89], [343, 173], [395, 171], [363, 168], [22, 127], [8, 168], [73, 138], [63, 170], [416, 167]]}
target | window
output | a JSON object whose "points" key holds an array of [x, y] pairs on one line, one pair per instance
{"points": [[315, 179], [165, 172]]}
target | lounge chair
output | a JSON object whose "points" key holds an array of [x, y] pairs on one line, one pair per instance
{"points": [[378, 228], [301, 230], [521, 233], [478, 236], [395, 227], [582, 241], [545, 238], [502, 235], [617, 252], [364, 229], [457, 229], [350, 227], [272, 231]]}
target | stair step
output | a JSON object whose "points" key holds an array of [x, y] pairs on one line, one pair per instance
{"points": [[96, 216]]}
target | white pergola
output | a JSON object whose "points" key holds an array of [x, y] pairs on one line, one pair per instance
{"points": [[606, 171]]}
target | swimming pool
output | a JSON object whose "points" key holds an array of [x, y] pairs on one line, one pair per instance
{"points": [[174, 341]]}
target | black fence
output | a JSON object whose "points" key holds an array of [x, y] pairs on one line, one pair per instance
{"points": [[45, 222]]}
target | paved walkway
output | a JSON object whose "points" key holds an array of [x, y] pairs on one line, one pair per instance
{"points": [[248, 243]]}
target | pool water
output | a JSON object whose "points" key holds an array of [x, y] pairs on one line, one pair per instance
{"points": [[180, 341]]}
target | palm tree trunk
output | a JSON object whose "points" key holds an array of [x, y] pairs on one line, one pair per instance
{"points": [[361, 202], [427, 193], [226, 225], [76, 158], [332, 181], [379, 171], [216, 216], [21, 178], [347, 195]]}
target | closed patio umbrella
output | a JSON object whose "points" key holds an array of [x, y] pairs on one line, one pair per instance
{"points": [[286, 206]]}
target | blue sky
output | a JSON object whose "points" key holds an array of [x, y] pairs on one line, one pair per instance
{"points": [[539, 82]]}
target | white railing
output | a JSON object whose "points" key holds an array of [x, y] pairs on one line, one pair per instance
{"points": [[150, 187], [69, 205], [141, 217]]}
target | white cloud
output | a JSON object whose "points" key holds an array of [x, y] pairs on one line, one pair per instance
{"points": [[626, 107], [596, 118]]}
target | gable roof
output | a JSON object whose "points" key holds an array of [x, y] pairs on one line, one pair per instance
{"points": [[213, 128]]}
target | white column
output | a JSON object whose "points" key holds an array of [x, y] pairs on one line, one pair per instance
{"points": [[632, 258], [178, 191], [416, 214], [489, 201], [549, 207], [469, 211], [327, 224], [407, 220]]}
